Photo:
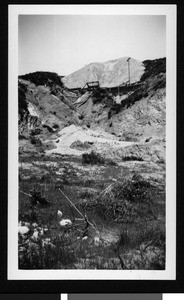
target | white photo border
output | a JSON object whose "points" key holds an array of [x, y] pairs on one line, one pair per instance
{"points": [[170, 272]]}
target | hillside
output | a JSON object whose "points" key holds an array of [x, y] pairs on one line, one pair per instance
{"points": [[109, 74], [99, 155], [135, 115], [43, 108]]}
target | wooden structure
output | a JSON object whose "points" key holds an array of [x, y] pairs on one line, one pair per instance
{"points": [[123, 88], [91, 86]]}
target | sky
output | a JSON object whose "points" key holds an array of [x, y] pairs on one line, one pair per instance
{"points": [[66, 43]]}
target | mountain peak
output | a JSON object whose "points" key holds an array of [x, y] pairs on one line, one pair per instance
{"points": [[110, 73]]}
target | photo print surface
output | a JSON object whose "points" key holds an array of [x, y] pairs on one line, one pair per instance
{"points": [[92, 142]]}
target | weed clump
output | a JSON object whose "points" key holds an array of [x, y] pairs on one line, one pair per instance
{"points": [[132, 157], [124, 202], [23, 106], [136, 189], [37, 199], [93, 158], [42, 78], [43, 252]]}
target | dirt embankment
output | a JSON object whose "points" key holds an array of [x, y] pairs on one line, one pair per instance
{"points": [[70, 137], [143, 120]]}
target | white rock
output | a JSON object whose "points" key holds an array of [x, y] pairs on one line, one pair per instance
{"points": [[65, 222], [23, 230]]}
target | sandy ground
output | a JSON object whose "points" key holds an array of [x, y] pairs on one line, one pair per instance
{"points": [[72, 133]]}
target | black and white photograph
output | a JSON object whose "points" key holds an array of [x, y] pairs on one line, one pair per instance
{"points": [[91, 136]]}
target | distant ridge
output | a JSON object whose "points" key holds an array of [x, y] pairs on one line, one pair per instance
{"points": [[110, 73]]}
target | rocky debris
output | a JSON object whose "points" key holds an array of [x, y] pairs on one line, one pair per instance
{"points": [[148, 114], [41, 112], [81, 146], [153, 151], [49, 145], [72, 134]]}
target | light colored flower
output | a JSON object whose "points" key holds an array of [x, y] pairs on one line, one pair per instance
{"points": [[35, 235], [60, 214], [47, 241], [96, 240], [41, 231], [65, 222], [26, 224]]}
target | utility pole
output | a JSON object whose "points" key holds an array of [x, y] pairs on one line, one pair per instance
{"points": [[129, 69]]}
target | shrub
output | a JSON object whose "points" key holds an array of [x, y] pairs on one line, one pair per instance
{"points": [[55, 126], [37, 199], [81, 117], [48, 128], [80, 146], [35, 141], [111, 162], [153, 68], [124, 202], [136, 189], [23, 108], [129, 158], [42, 78], [92, 158], [35, 131]]}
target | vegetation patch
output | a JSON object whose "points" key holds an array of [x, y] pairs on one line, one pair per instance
{"points": [[93, 158], [111, 200], [42, 78], [153, 68], [132, 157], [23, 107], [81, 146]]}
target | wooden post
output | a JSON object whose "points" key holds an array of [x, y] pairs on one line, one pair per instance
{"points": [[129, 69]]}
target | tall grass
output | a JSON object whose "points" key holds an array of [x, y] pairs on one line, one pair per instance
{"points": [[131, 207]]}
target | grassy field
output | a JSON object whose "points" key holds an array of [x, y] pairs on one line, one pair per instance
{"points": [[123, 205]]}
